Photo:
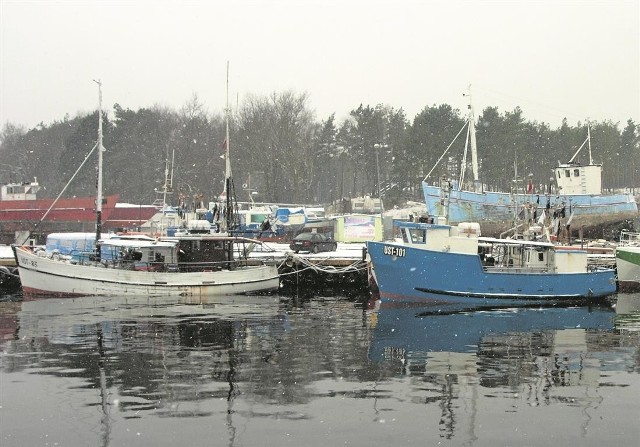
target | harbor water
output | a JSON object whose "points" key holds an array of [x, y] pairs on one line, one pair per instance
{"points": [[321, 371]]}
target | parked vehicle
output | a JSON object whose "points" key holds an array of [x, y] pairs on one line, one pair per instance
{"points": [[312, 242]]}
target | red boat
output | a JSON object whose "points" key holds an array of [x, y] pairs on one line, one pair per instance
{"points": [[21, 210]]}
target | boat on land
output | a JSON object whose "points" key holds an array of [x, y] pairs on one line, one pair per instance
{"points": [[195, 264], [575, 193], [20, 207], [443, 263], [628, 261]]}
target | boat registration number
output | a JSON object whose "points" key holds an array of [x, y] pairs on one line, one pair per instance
{"points": [[394, 251], [28, 263]]}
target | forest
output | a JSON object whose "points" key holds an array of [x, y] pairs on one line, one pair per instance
{"points": [[281, 153]]}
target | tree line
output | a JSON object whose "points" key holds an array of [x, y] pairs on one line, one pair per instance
{"points": [[281, 153]]}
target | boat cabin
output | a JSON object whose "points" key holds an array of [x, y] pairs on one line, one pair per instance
{"points": [[496, 255], [462, 238], [574, 178], [516, 253], [20, 191], [203, 249], [139, 254]]}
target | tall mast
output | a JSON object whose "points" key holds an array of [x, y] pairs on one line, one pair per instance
{"points": [[227, 181], [589, 140], [227, 113], [472, 139], [463, 164], [168, 177], [99, 182]]}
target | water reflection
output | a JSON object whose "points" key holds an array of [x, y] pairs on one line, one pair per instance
{"points": [[628, 313], [271, 370], [462, 359], [162, 358]]}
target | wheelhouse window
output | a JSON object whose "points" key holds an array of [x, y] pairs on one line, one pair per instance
{"points": [[418, 236], [576, 172]]}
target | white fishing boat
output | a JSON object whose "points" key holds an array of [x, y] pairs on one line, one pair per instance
{"points": [[628, 261], [146, 266]]}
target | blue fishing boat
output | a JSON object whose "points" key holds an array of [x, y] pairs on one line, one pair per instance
{"points": [[438, 262], [575, 191]]}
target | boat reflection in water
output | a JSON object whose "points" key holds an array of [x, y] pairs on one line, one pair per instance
{"points": [[474, 366], [628, 313], [278, 371], [165, 356]]}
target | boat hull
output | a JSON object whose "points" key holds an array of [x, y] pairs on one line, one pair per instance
{"points": [[405, 273], [628, 266], [495, 210], [41, 276], [67, 214]]}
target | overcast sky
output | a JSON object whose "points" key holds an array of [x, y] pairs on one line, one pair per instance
{"points": [[577, 59]]}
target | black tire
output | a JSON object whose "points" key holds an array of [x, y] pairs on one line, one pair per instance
{"points": [[314, 250], [335, 246]]}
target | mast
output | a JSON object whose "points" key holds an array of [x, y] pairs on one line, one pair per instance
{"points": [[589, 140], [168, 177], [463, 163], [227, 181], [472, 140], [167, 187], [101, 149]]}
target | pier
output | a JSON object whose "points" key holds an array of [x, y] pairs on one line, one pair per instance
{"points": [[345, 270]]}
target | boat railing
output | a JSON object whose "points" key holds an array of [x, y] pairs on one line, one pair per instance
{"points": [[83, 257], [515, 270], [89, 258], [173, 267], [629, 238]]}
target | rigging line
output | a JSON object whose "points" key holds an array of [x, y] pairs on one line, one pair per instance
{"points": [[445, 151], [61, 192]]}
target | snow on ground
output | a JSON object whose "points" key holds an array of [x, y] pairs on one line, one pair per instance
{"points": [[352, 250]]}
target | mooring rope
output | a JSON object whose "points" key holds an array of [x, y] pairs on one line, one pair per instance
{"points": [[356, 266]]}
